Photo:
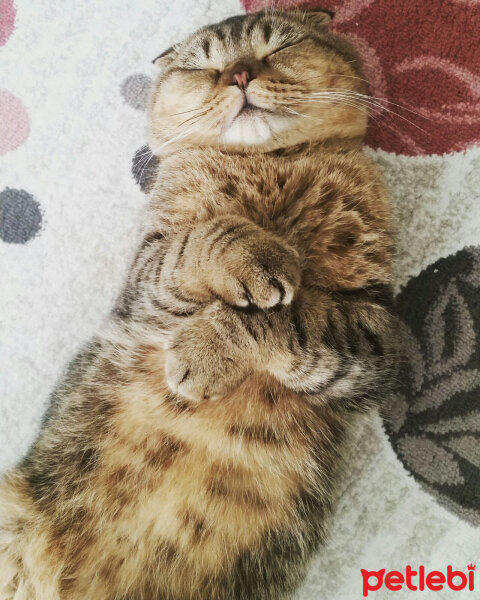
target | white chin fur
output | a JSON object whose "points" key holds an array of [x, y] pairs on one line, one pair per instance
{"points": [[247, 130]]}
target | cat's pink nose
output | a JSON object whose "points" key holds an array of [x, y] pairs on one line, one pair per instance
{"points": [[241, 73], [241, 79]]}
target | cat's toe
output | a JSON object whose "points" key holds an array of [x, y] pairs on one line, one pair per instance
{"points": [[183, 378], [198, 372], [273, 277]]}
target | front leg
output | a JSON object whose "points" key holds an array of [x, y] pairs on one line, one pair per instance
{"points": [[210, 354], [231, 258], [337, 346], [176, 274]]}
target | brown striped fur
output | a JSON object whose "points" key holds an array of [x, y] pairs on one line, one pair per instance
{"points": [[191, 450]]}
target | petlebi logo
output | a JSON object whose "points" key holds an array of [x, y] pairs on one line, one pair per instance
{"points": [[418, 580]]}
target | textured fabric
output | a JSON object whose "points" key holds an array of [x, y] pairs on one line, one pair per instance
{"points": [[70, 163]]}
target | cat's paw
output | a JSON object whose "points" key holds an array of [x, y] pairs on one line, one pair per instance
{"points": [[201, 363], [259, 272]]}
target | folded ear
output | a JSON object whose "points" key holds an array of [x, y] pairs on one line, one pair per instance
{"points": [[318, 18], [165, 57]]}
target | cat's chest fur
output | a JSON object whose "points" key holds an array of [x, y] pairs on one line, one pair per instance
{"points": [[325, 204], [269, 188]]}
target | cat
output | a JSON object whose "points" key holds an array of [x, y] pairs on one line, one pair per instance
{"points": [[191, 451]]}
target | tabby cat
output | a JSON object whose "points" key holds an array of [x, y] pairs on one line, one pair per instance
{"points": [[191, 450]]}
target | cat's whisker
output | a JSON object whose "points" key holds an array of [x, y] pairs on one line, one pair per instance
{"points": [[144, 167], [381, 99], [184, 112], [361, 99], [389, 111], [195, 117], [332, 100], [294, 112], [174, 139], [339, 101], [146, 152], [376, 100], [144, 161], [190, 120], [322, 77], [141, 163]]}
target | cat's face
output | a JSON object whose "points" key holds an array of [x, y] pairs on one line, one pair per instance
{"points": [[258, 82]]}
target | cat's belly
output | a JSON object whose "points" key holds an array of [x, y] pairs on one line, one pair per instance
{"points": [[182, 490]]}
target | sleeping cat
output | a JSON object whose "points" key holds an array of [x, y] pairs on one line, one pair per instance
{"points": [[192, 449]]}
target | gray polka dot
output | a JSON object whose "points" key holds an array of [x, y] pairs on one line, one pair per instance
{"points": [[144, 168], [20, 216], [135, 90]]}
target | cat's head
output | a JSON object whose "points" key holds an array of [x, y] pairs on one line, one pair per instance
{"points": [[258, 82]]}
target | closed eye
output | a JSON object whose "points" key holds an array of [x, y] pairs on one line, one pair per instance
{"points": [[284, 47], [192, 69]]}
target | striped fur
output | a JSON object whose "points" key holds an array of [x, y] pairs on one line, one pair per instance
{"points": [[192, 448]]}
